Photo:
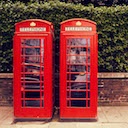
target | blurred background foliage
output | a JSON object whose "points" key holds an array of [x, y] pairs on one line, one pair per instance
{"points": [[112, 27]]}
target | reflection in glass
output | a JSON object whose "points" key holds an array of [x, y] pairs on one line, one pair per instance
{"points": [[32, 103], [30, 77], [31, 95], [31, 52], [78, 72], [78, 42], [81, 77], [34, 68], [88, 77], [32, 85], [89, 51], [76, 94], [76, 68], [76, 85], [76, 50], [30, 42], [88, 85], [88, 61], [78, 103], [88, 69]]}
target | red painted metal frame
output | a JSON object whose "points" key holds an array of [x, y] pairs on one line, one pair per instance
{"points": [[46, 110], [71, 112]]}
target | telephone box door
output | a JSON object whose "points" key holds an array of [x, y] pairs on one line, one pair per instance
{"points": [[33, 75], [78, 72]]}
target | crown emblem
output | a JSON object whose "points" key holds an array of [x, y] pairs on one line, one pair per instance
{"points": [[78, 23], [32, 24]]}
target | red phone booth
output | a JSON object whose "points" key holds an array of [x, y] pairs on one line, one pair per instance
{"points": [[33, 69], [78, 69]]}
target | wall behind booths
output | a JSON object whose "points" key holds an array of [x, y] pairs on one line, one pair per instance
{"points": [[6, 89], [112, 89]]}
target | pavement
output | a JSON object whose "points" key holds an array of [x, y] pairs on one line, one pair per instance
{"points": [[108, 117]]}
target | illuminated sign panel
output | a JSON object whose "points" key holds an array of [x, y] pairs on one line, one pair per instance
{"points": [[31, 29], [78, 28]]}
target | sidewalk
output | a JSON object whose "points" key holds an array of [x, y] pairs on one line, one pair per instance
{"points": [[108, 117]]}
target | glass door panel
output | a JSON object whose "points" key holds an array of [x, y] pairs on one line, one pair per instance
{"points": [[32, 72], [78, 72]]}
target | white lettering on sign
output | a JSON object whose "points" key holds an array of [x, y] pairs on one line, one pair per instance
{"points": [[78, 28], [35, 29]]}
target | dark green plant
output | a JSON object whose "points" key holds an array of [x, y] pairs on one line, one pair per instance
{"points": [[111, 26]]}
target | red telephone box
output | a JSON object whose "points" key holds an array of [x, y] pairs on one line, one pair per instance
{"points": [[78, 69], [33, 69]]}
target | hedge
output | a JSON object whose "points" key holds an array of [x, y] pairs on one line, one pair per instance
{"points": [[111, 22]]}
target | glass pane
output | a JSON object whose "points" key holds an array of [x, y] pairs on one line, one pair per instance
{"points": [[32, 103], [42, 103], [30, 77], [76, 85], [76, 59], [76, 55], [76, 94], [88, 77], [78, 103], [88, 51], [71, 76], [88, 103], [78, 72], [88, 69], [76, 50], [77, 42], [88, 60], [32, 95], [76, 68], [88, 94], [32, 51], [81, 77], [32, 85], [30, 42], [88, 86], [31, 60], [31, 68]]}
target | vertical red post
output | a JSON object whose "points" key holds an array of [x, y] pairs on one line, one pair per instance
{"points": [[33, 64], [78, 69]]}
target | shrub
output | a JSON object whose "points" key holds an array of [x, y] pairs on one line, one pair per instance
{"points": [[111, 26]]}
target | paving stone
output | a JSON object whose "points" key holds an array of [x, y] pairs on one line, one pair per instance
{"points": [[101, 116], [7, 126], [32, 126], [7, 118], [62, 125], [113, 115], [89, 125], [124, 114], [114, 125]]}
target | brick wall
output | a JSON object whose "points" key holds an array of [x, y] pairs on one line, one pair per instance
{"points": [[112, 89], [6, 90]]}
